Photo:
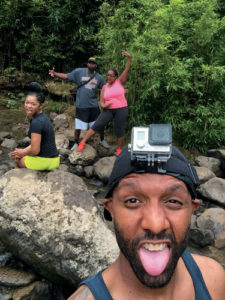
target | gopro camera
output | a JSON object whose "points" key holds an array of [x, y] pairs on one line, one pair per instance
{"points": [[151, 144]]}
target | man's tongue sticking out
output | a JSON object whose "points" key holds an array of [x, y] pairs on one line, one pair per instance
{"points": [[154, 258]]}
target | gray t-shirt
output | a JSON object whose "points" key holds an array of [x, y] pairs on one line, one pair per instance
{"points": [[87, 94]]}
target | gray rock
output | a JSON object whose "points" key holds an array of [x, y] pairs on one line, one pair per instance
{"points": [[211, 163], [61, 122], [213, 219], [219, 154], [36, 291], [9, 144], [50, 221], [89, 171], [204, 174], [77, 169], [103, 167], [24, 142], [213, 189], [85, 158], [61, 141], [12, 278], [5, 134]]}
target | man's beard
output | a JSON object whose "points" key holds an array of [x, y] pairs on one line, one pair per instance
{"points": [[130, 251]]}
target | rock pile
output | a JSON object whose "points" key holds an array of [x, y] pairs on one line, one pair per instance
{"points": [[52, 222]]}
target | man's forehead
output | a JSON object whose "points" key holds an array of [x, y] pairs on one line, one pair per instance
{"points": [[134, 180]]}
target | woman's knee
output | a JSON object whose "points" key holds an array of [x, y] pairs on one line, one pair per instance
{"points": [[21, 163]]}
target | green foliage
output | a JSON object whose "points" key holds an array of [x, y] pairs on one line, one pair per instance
{"points": [[178, 57], [39, 34], [15, 101], [54, 106]]}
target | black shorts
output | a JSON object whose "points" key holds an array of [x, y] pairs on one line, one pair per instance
{"points": [[87, 115]]}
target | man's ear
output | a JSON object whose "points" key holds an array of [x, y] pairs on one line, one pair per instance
{"points": [[107, 202], [195, 204]]}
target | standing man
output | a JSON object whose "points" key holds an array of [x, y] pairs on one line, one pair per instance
{"points": [[87, 110], [151, 210]]}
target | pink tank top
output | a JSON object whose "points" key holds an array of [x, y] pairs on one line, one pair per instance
{"points": [[115, 95]]}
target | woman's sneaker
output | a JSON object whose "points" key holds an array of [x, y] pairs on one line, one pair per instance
{"points": [[104, 144], [81, 147]]}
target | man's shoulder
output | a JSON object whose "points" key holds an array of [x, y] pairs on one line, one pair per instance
{"points": [[80, 70], [205, 262], [213, 274], [82, 293]]}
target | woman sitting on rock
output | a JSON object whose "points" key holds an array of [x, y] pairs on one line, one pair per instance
{"points": [[42, 153], [114, 105]]}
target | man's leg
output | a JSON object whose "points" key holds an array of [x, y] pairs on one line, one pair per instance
{"points": [[76, 135], [103, 119]]}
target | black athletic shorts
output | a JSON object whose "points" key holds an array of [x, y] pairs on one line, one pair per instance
{"points": [[87, 115]]}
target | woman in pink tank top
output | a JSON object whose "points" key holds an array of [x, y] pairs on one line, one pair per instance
{"points": [[114, 104]]}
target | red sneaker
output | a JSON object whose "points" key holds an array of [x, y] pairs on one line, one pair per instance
{"points": [[81, 147], [118, 151]]}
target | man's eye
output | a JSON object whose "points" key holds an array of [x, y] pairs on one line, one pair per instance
{"points": [[175, 202], [132, 201]]}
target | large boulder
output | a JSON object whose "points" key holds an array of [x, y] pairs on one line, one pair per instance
{"points": [[214, 189], [50, 221]]}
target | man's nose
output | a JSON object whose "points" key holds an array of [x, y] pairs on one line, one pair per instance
{"points": [[154, 218]]}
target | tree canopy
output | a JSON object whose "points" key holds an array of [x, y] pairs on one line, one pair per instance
{"points": [[177, 47], [178, 72]]}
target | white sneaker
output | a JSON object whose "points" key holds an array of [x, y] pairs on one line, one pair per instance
{"points": [[104, 144], [74, 146]]}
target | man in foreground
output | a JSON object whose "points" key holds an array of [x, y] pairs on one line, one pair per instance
{"points": [[87, 110], [151, 211]]}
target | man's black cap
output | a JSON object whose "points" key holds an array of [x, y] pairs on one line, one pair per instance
{"points": [[177, 166], [92, 60]]}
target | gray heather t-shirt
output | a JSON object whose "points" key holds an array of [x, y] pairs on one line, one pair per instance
{"points": [[87, 94]]}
